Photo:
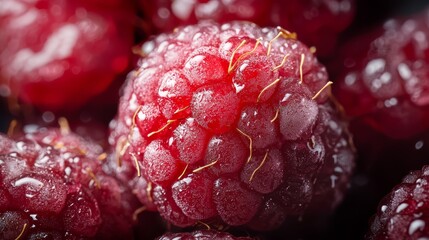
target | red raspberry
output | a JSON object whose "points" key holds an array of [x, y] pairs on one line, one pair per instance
{"points": [[317, 22], [53, 186], [167, 15], [232, 124], [202, 235], [51, 49], [404, 212], [384, 81]]}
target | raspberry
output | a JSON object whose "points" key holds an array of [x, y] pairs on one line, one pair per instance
{"points": [[403, 213], [383, 83], [53, 186], [201, 235], [317, 22], [167, 15], [54, 48], [231, 124]]}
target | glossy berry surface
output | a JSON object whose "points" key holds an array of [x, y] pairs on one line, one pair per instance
{"points": [[404, 213], [53, 187], [167, 15], [56, 55], [317, 22], [201, 235], [231, 124], [383, 82]]}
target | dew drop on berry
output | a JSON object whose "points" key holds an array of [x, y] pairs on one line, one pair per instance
{"points": [[193, 194], [297, 116], [39, 192], [215, 107], [12, 167], [235, 203], [305, 157], [149, 118], [174, 84]]}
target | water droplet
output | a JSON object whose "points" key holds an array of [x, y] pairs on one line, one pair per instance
{"points": [[401, 207], [416, 225]]}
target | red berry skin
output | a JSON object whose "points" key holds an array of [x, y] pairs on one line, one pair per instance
{"points": [[59, 54], [317, 22], [403, 213], [167, 15], [52, 184], [239, 136], [202, 235], [384, 78]]}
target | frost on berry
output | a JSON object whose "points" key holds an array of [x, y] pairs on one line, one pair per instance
{"points": [[403, 213], [383, 81], [236, 205], [158, 162], [233, 130], [53, 184], [215, 107], [297, 116], [194, 195]]}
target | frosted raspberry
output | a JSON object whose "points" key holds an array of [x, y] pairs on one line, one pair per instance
{"points": [[52, 185], [248, 130], [383, 82], [403, 213], [54, 48]]}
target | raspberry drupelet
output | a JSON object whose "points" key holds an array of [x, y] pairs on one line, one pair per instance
{"points": [[231, 124], [404, 212], [52, 186], [57, 55]]}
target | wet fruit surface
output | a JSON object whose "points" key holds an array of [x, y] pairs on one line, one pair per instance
{"points": [[317, 22], [230, 128], [236, 122], [403, 213], [79, 49], [53, 185]]}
